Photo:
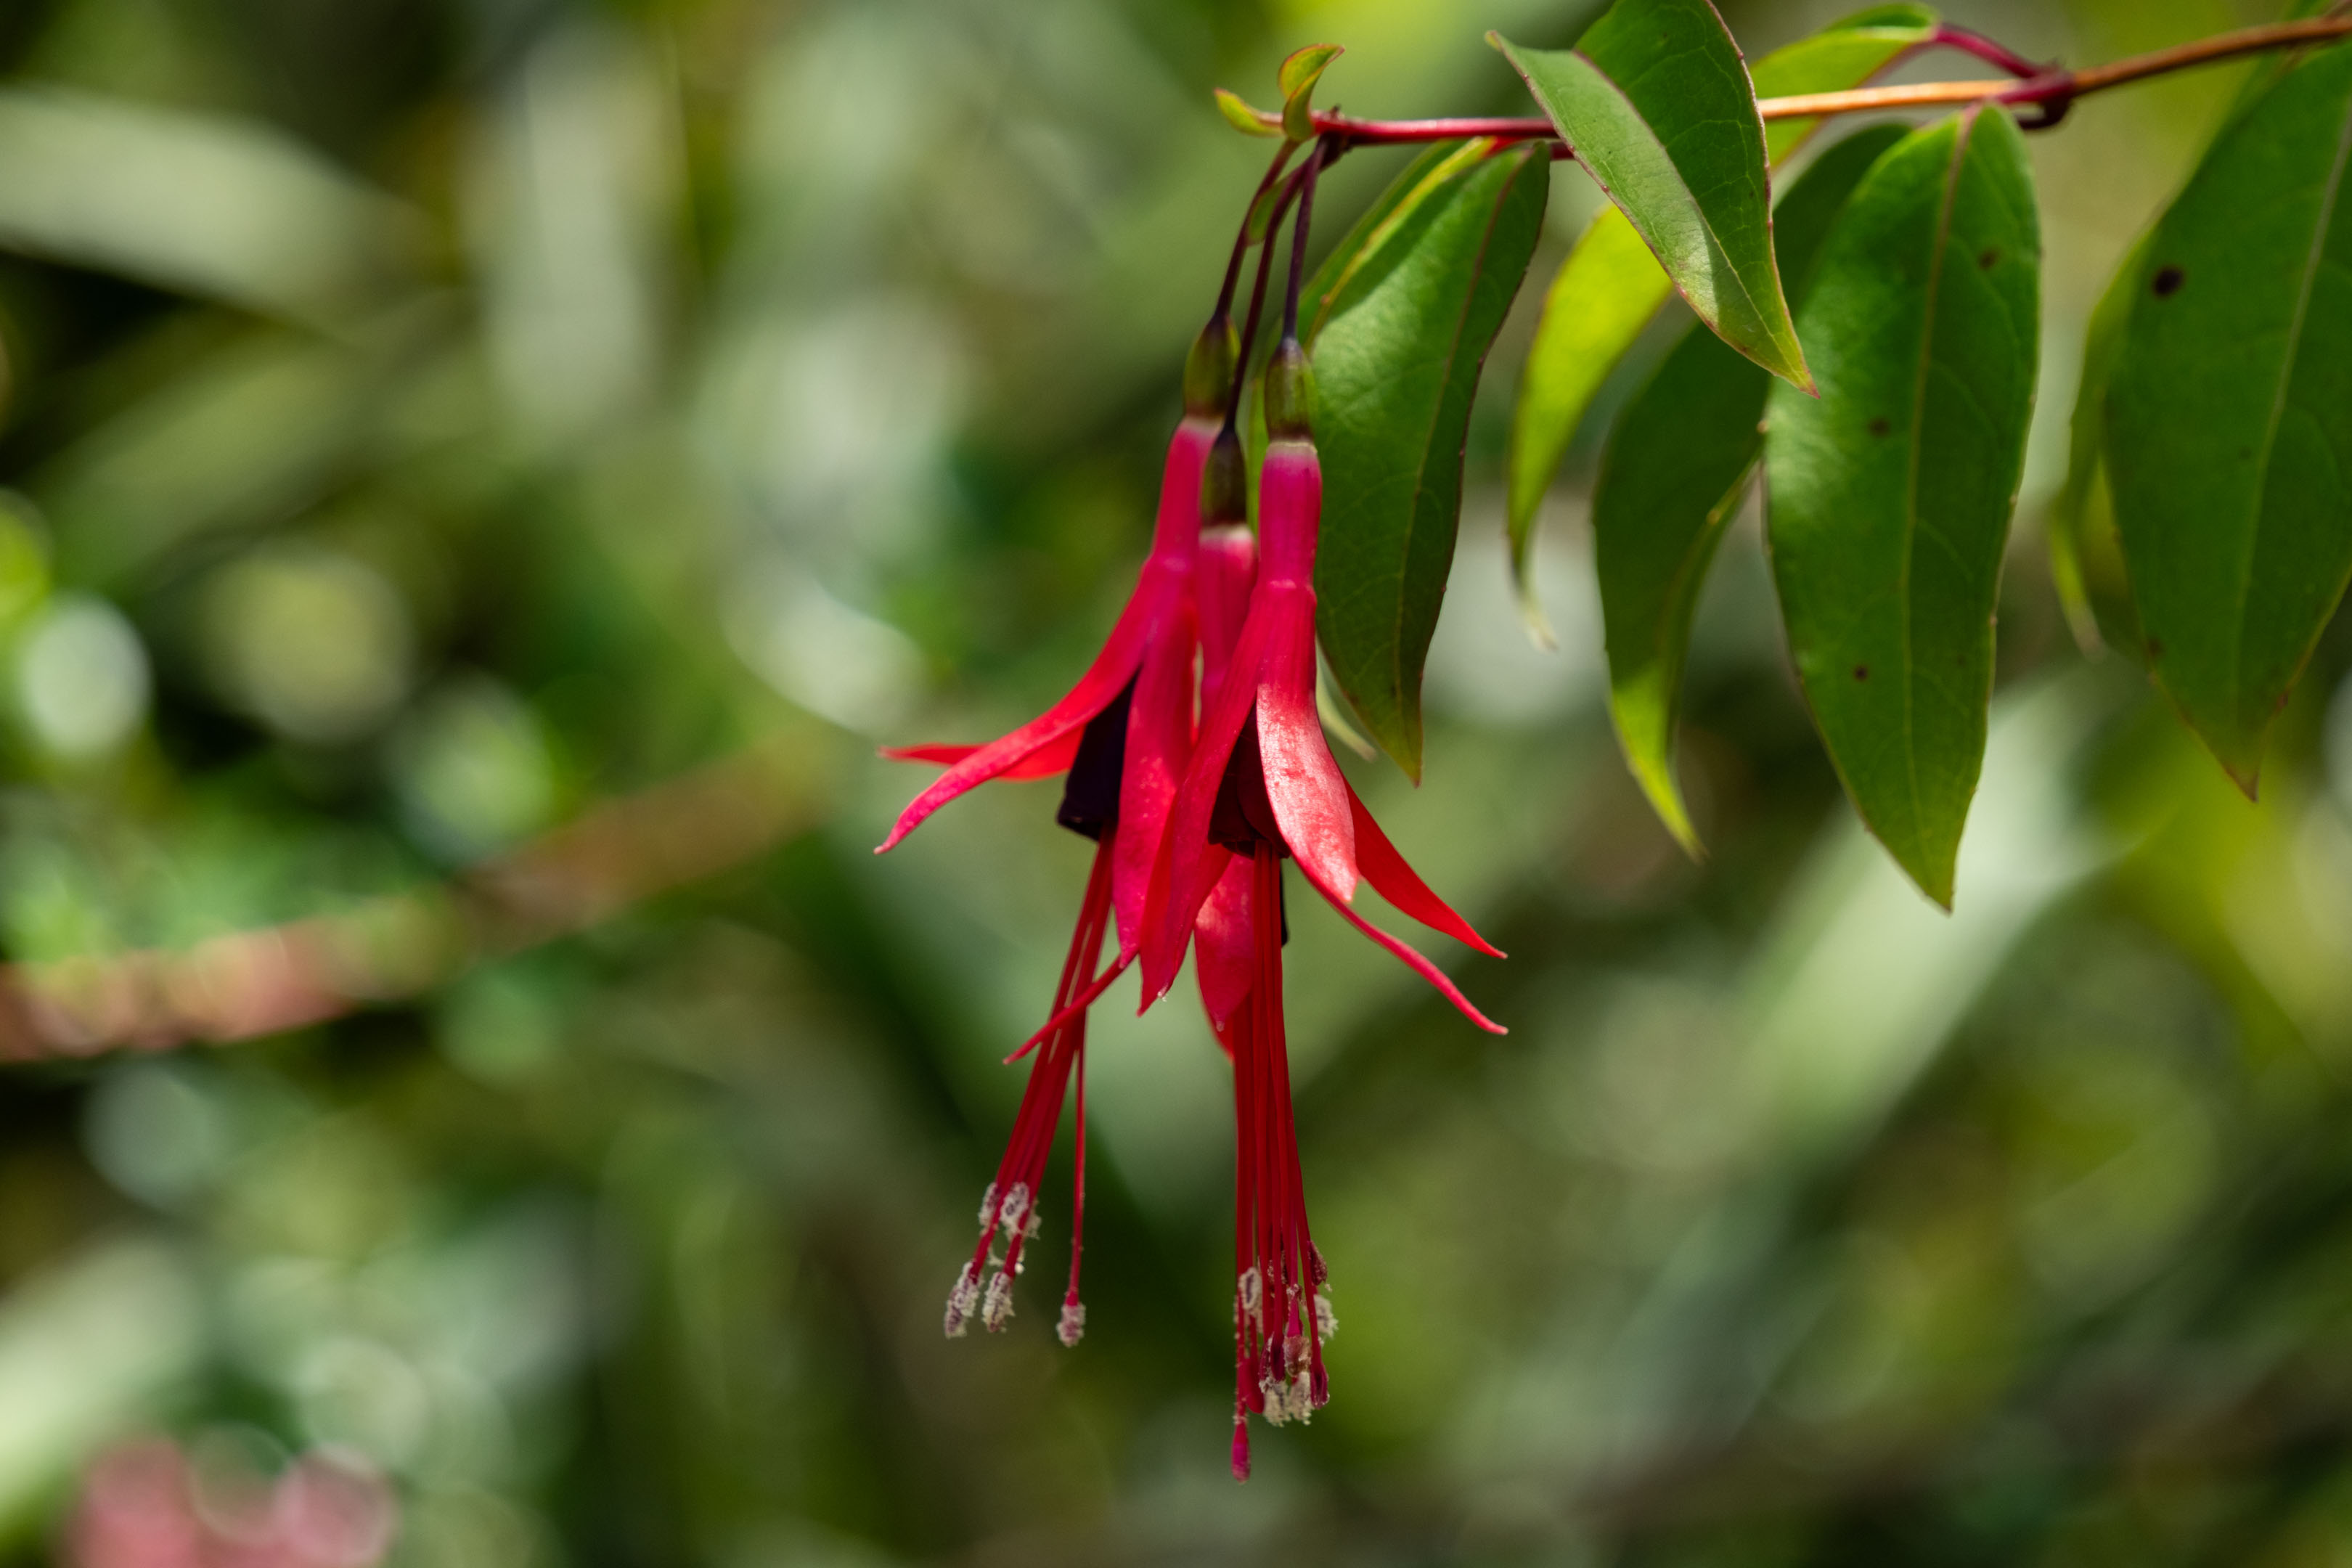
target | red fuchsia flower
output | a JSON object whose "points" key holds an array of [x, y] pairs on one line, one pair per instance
{"points": [[1224, 949], [1122, 734], [1263, 724], [1262, 786]]}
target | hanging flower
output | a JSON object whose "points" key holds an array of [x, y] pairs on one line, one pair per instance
{"points": [[1264, 718], [1262, 787], [1225, 950], [1122, 736], [1009, 1208]]}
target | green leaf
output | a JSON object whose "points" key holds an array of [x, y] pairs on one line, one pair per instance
{"points": [[1606, 292], [1242, 117], [1297, 76], [1890, 495], [2228, 436], [1842, 55], [2085, 562], [1672, 479], [1657, 102], [1400, 320], [1610, 288]]}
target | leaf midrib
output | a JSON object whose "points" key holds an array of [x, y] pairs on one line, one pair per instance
{"points": [[1967, 132], [1687, 198], [2293, 358]]}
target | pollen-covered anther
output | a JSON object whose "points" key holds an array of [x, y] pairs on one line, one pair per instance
{"points": [[1249, 1290], [1327, 1322], [997, 1311], [988, 1206], [961, 1301], [1016, 1207], [1287, 1400], [1073, 1326]]}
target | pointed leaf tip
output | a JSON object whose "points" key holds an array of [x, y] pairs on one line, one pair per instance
{"points": [[2228, 436], [1297, 77], [1242, 117], [1298, 73], [1889, 498], [1658, 104]]}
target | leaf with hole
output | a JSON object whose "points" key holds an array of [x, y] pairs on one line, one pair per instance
{"points": [[1657, 102], [1610, 287], [1889, 496], [2229, 423], [1399, 320], [1671, 478]]}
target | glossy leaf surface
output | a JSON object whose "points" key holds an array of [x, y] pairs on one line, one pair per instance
{"points": [[1610, 287], [1398, 322], [1674, 474], [1657, 102], [2229, 415], [1890, 495]]}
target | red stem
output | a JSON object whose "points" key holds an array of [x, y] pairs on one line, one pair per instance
{"points": [[2041, 86]]}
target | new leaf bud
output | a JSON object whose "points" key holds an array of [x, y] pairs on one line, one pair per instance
{"points": [[1289, 394]]}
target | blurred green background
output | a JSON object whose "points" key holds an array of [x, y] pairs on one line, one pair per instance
{"points": [[427, 419]]}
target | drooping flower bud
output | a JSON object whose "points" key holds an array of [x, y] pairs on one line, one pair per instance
{"points": [[1209, 370]]}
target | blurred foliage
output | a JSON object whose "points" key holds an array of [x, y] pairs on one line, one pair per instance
{"points": [[429, 417]]}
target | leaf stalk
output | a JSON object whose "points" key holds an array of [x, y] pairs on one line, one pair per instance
{"points": [[2051, 90]]}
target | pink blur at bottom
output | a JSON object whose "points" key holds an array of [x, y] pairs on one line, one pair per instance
{"points": [[144, 1505]]}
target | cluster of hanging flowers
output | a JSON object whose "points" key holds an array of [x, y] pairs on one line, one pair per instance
{"points": [[1196, 761]]}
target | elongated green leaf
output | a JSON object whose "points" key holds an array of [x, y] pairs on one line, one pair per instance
{"points": [[2229, 414], [1402, 317], [1610, 287], [1657, 102], [1675, 472], [2086, 563], [1890, 495]]}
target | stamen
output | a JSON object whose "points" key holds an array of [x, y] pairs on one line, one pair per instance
{"points": [[1241, 1447], [961, 1301], [1327, 1322], [1017, 1204], [997, 1310], [1250, 1288], [1073, 1326], [988, 1206]]}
